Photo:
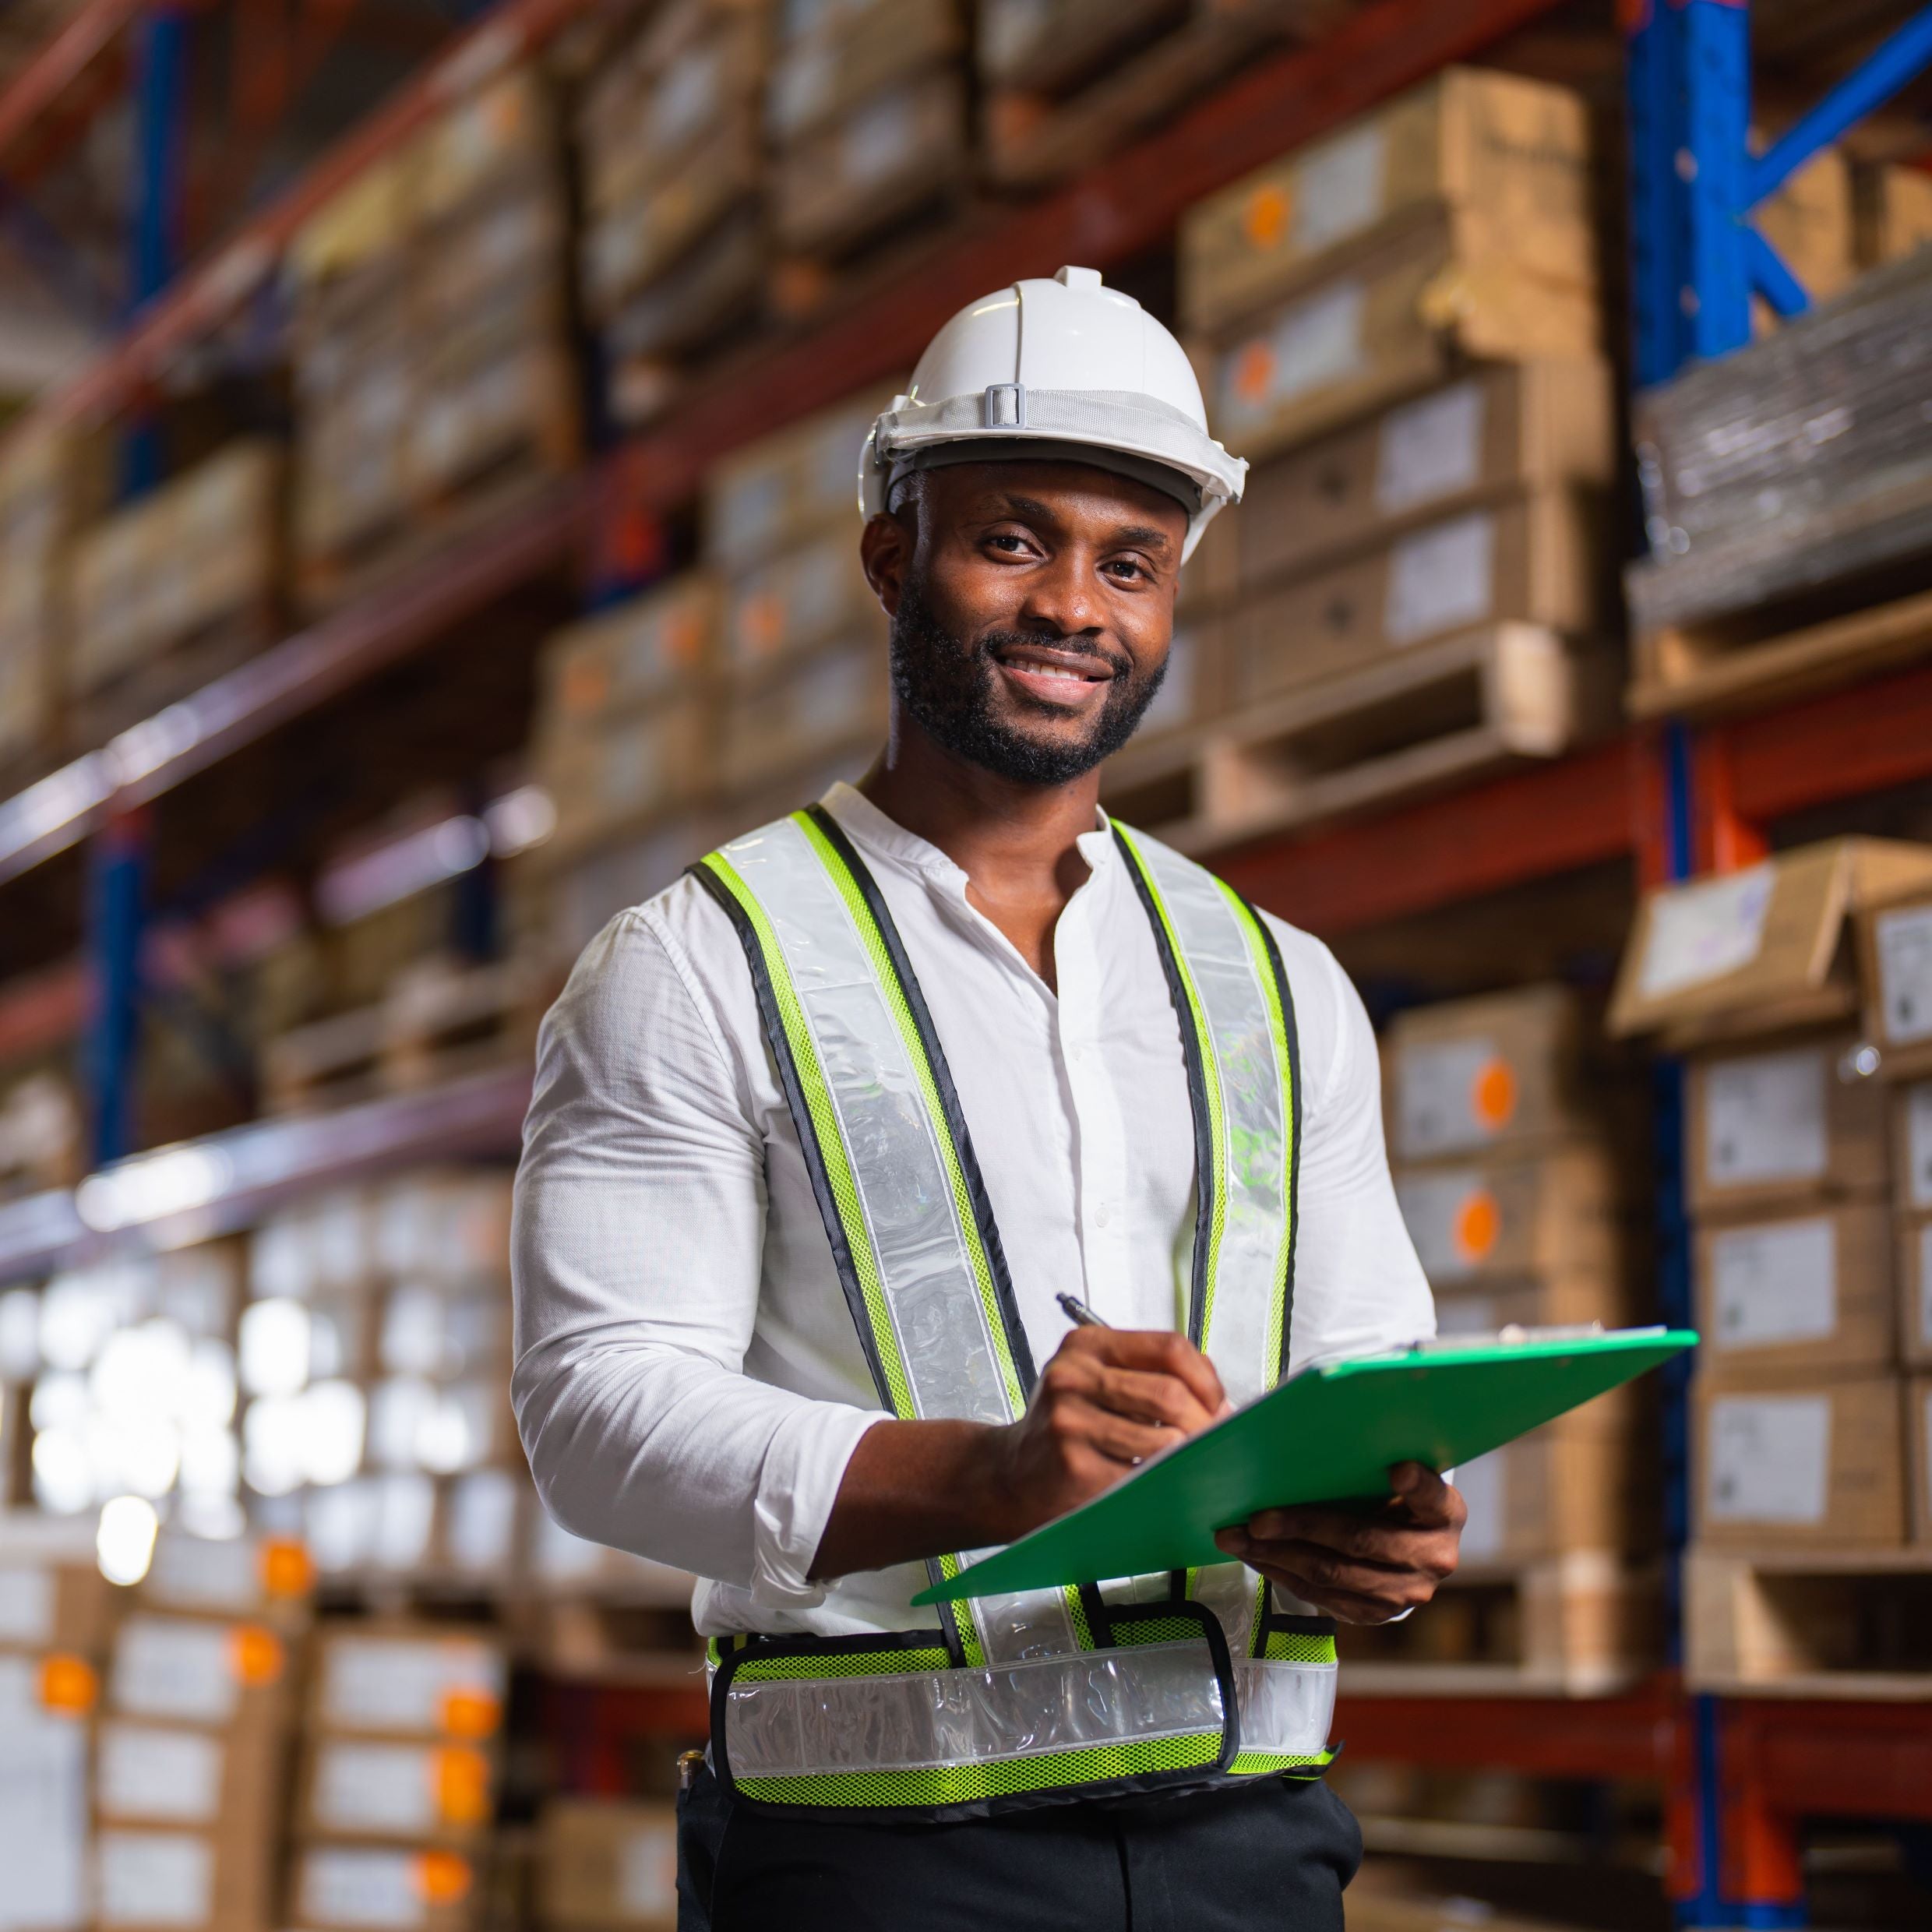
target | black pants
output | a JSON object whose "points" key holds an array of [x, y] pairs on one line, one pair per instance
{"points": [[1275, 1855]]}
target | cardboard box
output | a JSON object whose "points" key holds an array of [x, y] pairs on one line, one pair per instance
{"points": [[1797, 1294], [145, 1880], [1507, 160], [1895, 958], [1406, 318], [769, 495], [1538, 559], [1574, 1484], [1793, 1121], [1914, 1234], [1760, 951], [619, 779], [1894, 210], [883, 158], [382, 1888], [1465, 1076], [607, 1866], [629, 656], [383, 1524], [813, 595], [836, 57], [199, 1670], [1912, 1147], [386, 1790], [182, 1775], [264, 1578], [1532, 425], [1919, 1408], [1546, 1301], [405, 1681], [44, 1604], [1510, 1217], [1810, 222], [44, 1826], [835, 697], [1821, 1465]]}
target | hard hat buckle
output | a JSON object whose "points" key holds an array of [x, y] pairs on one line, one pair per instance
{"points": [[1004, 406]]}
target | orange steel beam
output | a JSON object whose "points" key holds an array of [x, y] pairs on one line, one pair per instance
{"points": [[60, 63]]}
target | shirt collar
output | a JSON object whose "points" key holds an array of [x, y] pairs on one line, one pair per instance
{"points": [[878, 836]]}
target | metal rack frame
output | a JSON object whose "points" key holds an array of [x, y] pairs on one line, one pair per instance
{"points": [[1670, 802]]}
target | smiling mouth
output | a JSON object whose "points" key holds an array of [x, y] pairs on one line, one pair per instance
{"points": [[1054, 677]]}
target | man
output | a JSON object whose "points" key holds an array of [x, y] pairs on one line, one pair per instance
{"points": [[820, 1134]]}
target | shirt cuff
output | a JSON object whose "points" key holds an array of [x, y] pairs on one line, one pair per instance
{"points": [[804, 1465]]}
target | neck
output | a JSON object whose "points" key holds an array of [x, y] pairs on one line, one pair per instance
{"points": [[1015, 843]]}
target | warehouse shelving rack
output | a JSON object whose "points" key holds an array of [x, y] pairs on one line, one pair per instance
{"points": [[1668, 801]]}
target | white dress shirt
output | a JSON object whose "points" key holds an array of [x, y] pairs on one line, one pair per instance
{"points": [[689, 1383]]}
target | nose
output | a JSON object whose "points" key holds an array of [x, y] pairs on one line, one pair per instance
{"points": [[1060, 596]]}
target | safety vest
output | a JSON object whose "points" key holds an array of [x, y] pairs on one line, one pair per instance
{"points": [[1143, 1683]]}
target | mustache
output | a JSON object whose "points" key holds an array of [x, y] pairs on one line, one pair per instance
{"points": [[992, 641]]}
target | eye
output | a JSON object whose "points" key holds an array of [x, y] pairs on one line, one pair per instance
{"points": [[1125, 569], [1006, 540]]}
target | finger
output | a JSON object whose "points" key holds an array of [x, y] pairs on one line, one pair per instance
{"points": [[1078, 1421], [1429, 1501], [1345, 1606], [1393, 1541], [1163, 1399], [1153, 1351], [1402, 1585]]}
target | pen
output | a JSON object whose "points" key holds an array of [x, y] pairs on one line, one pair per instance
{"points": [[1079, 1314]]}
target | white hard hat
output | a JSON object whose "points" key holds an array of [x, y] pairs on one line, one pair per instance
{"points": [[1063, 369]]}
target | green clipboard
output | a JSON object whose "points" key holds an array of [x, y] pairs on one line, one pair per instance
{"points": [[1327, 1433]]}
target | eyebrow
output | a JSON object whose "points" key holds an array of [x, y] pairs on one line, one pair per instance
{"points": [[1143, 536]]}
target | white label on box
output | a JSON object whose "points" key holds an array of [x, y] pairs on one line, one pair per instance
{"points": [[647, 1871], [399, 1684], [43, 1811], [1317, 342], [26, 1605], [359, 1887], [1338, 186], [1764, 1118], [388, 1788], [153, 1878], [1482, 1485], [1905, 974], [881, 139], [1435, 1100], [1925, 1286], [1774, 1283], [481, 1528], [174, 1776], [199, 1573], [1770, 1457], [1437, 1208], [1441, 579], [1918, 1105], [165, 1668], [1431, 449], [1703, 932]]}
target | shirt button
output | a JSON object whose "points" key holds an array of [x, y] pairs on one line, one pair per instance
{"points": [[1103, 1217]]}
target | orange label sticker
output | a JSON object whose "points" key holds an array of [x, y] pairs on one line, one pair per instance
{"points": [[288, 1569], [1479, 1222], [462, 1787], [254, 1655], [585, 685], [470, 1713], [683, 640], [1253, 372], [1265, 216], [762, 623], [443, 1878], [68, 1684], [1494, 1096]]}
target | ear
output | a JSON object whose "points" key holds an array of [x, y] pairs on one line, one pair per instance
{"points": [[885, 550]]}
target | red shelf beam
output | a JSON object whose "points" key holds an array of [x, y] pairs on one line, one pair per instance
{"points": [[65, 57]]}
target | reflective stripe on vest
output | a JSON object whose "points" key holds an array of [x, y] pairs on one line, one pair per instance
{"points": [[1041, 1696]]}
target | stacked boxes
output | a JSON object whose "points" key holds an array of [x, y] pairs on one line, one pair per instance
{"points": [[803, 673], [56, 1615], [399, 1778], [607, 1865], [867, 113], [195, 1737], [36, 514], [673, 245], [1799, 1402], [432, 358], [1515, 1184], [191, 573]]}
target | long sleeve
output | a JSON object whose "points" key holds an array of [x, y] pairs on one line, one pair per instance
{"points": [[637, 1247]]}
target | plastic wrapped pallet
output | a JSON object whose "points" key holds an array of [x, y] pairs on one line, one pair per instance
{"points": [[1798, 462]]}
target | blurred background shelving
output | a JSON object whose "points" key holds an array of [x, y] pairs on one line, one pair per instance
{"points": [[426, 524]]}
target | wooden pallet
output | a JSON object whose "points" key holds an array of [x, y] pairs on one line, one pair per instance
{"points": [[1413, 722], [1109, 68], [1701, 671], [440, 1022], [1586, 1624], [1809, 1623]]}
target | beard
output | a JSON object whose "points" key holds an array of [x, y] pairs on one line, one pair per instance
{"points": [[948, 686]]}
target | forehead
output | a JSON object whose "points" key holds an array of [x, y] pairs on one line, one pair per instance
{"points": [[1075, 495]]}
